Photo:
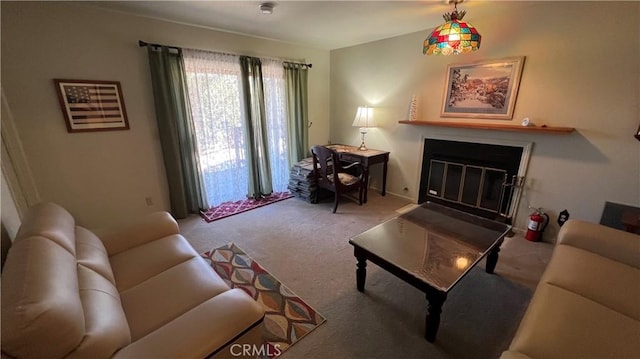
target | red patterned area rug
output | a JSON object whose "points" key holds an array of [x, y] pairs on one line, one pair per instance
{"points": [[287, 317], [230, 208]]}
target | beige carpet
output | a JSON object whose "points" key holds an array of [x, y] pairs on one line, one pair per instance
{"points": [[306, 247]]}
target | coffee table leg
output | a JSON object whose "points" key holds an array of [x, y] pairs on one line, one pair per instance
{"points": [[492, 259], [361, 273], [435, 301]]}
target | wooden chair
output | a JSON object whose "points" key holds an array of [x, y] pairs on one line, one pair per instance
{"points": [[331, 175]]}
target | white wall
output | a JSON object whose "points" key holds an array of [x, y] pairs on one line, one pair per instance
{"points": [[582, 70], [104, 177], [10, 218]]}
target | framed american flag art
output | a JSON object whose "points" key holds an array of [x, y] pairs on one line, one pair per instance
{"points": [[90, 105]]}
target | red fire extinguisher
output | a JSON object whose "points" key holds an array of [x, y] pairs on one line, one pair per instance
{"points": [[537, 223]]}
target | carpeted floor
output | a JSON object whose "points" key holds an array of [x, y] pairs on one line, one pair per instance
{"points": [[306, 247]]}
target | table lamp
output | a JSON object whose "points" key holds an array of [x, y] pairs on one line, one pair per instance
{"points": [[364, 120]]}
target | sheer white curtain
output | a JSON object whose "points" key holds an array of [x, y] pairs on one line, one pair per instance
{"points": [[276, 107], [213, 80]]}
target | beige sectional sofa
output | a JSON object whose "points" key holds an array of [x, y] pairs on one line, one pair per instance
{"points": [[587, 304], [142, 292]]}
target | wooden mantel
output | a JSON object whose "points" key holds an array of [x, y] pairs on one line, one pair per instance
{"points": [[491, 126]]}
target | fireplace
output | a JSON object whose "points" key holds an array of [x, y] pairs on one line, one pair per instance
{"points": [[476, 177]]}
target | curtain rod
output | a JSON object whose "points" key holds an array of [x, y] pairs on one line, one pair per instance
{"points": [[145, 44]]}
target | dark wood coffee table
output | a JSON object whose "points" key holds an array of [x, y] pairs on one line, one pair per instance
{"points": [[431, 247]]}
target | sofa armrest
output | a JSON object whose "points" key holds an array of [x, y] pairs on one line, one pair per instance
{"points": [[146, 229], [608, 242]]}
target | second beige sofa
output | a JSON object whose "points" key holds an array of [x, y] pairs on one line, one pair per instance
{"points": [[587, 303]]}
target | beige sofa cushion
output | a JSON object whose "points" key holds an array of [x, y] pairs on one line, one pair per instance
{"points": [[40, 300], [106, 328], [228, 315], [52, 222], [91, 253], [608, 242], [561, 324], [143, 230], [164, 297], [136, 265], [598, 278]]}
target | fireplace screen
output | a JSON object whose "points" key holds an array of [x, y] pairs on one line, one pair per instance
{"points": [[469, 185], [477, 178]]}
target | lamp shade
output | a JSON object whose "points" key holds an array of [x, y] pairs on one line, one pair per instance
{"points": [[453, 37], [364, 117]]}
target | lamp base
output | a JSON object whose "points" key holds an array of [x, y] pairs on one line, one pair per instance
{"points": [[363, 131]]}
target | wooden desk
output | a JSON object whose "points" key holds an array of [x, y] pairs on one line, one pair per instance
{"points": [[367, 158]]}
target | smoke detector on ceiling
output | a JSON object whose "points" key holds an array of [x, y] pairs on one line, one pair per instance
{"points": [[266, 8]]}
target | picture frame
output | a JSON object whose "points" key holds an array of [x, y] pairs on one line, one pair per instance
{"points": [[485, 89], [92, 105]]}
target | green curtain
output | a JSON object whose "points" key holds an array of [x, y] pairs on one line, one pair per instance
{"points": [[176, 129], [297, 111], [256, 128]]}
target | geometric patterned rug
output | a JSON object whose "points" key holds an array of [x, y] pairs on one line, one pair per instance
{"points": [[230, 208], [287, 317]]}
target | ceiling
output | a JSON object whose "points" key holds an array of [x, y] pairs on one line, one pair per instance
{"points": [[319, 24]]}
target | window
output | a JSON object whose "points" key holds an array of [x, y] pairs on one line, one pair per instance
{"points": [[276, 107], [213, 81]]}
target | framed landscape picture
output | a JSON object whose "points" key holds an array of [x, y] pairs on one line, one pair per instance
{"points": [[90, 105], [486, 89]]}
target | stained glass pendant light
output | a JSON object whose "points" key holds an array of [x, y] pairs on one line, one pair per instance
{"points": [[454, 36]]}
